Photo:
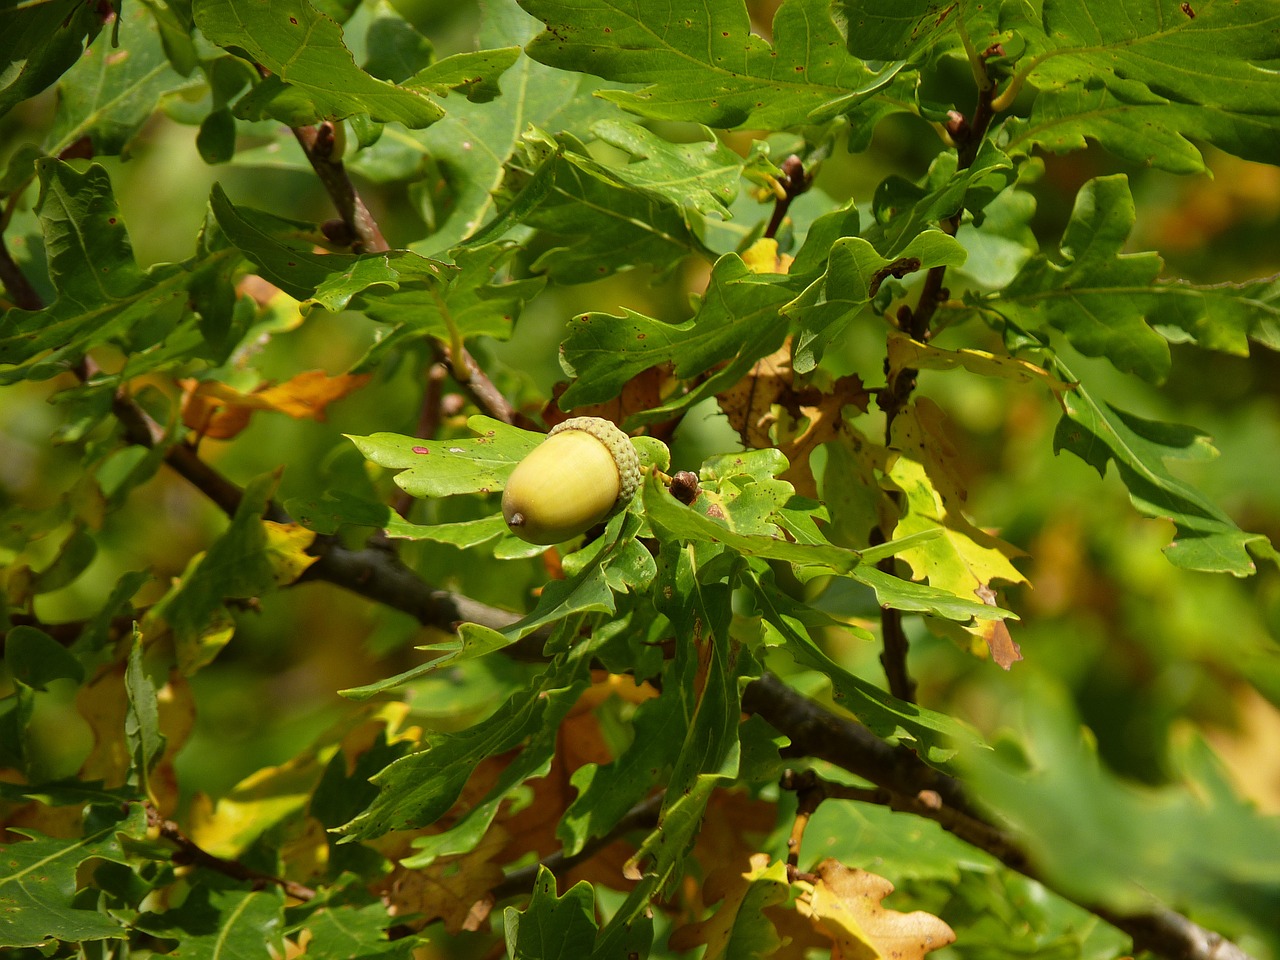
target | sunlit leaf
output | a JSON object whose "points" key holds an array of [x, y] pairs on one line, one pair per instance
{"points": [[846, 906], [312, 73]]}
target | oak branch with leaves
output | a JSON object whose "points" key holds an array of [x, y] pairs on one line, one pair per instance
{"points": [[282, 680]]}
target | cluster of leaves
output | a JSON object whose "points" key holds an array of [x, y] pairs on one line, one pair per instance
{"points": [[601, 783]]}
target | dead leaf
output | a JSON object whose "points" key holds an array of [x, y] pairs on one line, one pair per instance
{"points": [[644, 391], [826, 421], [452, 889], [999, 641], [749, 407], [220, 412], [908, 354], [846, 905], [748, 404]]}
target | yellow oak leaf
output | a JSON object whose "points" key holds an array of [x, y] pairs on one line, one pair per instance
{"points": [[908, 354], [963, 560]]}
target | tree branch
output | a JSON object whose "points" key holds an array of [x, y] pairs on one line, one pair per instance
{"points": [[907, 783], [323, 147], [377, 573], [189, 852], [16, 282]]}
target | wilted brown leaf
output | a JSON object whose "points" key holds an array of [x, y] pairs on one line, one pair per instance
{"points": [[748, 404], [749, 407], [452, 889], [846, 906], [642, 392], [219, 411]]}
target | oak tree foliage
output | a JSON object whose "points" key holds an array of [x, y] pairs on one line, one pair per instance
{"points": [[934, 626]]}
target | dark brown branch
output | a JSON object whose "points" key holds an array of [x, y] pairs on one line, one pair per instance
{"points": [[189, 852], [324, 153], [16, 282], [794, 182], [378, 574], [470, 376]]}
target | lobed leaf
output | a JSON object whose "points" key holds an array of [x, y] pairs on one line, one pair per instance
{"points": [[738, 321], [39, 883], [312, 75], [1205, 538], [442, 468], [703, 64], [852, 277], [1116, 843], [112, 91], [40, 42], [551, 927], [739, 927], [102, 293], [418, 789], [1212, 63]]}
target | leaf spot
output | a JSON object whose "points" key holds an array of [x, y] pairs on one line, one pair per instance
{"points": [[421, 450]]}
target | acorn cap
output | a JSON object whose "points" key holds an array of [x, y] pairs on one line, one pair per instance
{"points": [[620, 446]]}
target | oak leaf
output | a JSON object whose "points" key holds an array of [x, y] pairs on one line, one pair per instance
{"points": [[846, 905], [219, 411], [738, 930], [964, 559]]}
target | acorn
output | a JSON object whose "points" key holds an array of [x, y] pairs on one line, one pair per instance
{"points": [[584, 472]]}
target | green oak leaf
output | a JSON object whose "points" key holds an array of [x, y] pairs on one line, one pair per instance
{"points": [[442, 468], [313, 75], [738, 321], [1205, 538], [39, 883], [551, 927], [702, 62], [283, 251], [1213, 61]]}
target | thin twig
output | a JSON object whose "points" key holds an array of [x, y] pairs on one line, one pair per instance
{"points": [[967, 134], [794, 182], [519, 882], [189, 852], [322, 145]]}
